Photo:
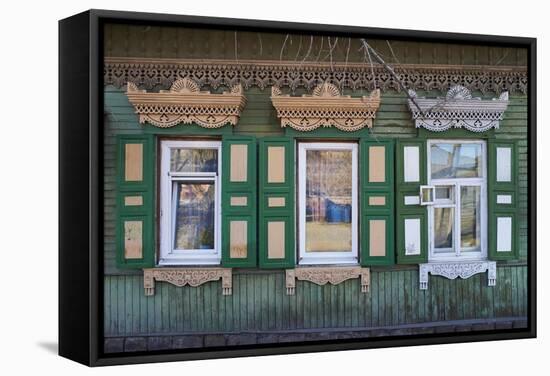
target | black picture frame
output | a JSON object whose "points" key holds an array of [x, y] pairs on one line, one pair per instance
{"points": [[81, 199]]}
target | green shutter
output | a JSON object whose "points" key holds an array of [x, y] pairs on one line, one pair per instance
{"points": [[377, 202], [276, 203], [239, 185], [411, 218], [135, 245], [502, 200]]}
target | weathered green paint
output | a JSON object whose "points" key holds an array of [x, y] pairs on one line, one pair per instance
{"points": [[143, 213], [392, 121], [403, 211], [370, 212], [498, 210], [259, 302], [246, 189], [284, 214]]}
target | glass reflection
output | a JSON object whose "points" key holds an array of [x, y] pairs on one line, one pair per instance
{"points": [[194, 219], [455, 160], [328, 200]]}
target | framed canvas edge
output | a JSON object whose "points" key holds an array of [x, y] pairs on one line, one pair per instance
{"points": [[94, 124]]}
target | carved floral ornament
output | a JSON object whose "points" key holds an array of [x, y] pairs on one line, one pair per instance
{"points": [[323, 275], [187, 276], [453, 270], [150, 73], [457, 110], [325, 107], [186, 103]]}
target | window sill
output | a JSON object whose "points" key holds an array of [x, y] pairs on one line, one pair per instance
{"points": [[455, 269], [321, 275], [180, 261], [186, 276]]}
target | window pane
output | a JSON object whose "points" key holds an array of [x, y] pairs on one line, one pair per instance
{"points": [[470, 219], [194, 219], [328, 200], [455, 161], [443, 192], [443, 229], [193, 160]]}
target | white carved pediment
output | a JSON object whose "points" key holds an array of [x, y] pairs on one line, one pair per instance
{"points": [[186, 103], [457, 110], [453, 270], [325, 107]]}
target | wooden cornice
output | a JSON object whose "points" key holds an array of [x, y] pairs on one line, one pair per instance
{"points": [[326, 107], [185, 103]]}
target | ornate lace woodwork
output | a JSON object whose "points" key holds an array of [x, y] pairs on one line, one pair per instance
{"points": [[153, 73], [326, 107], [453, 270], [457, 110], [323, 275], [186, 103], [186, 276]]}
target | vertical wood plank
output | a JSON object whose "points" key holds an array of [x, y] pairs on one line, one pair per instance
{"points": [[121, 301], [375, 288]]}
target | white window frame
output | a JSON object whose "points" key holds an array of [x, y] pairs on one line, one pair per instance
{"points": [[168, 255], [457, 183], [326, 258]]}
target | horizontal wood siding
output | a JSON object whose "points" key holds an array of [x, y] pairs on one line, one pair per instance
{"points": [[393, 120], [259, 303]]}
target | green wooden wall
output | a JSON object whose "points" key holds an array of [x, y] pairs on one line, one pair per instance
{"points": [[393, 120], [259, 303]]}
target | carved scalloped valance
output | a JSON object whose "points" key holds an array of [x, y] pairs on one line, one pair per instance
{"points": [[150, 73], [325, 107], [457, 110], [323, 275], [453, 270], [186, 103], [187, 276]]}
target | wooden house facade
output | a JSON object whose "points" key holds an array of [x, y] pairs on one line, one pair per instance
{"points": [[264, 188]]}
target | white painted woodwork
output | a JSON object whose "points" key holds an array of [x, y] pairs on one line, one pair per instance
{"points": [[504, 199], [411, 163], [412, 236], [412, 200], [504, 164], [504, 234]]}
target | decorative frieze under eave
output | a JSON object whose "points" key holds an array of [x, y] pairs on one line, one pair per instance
{"points": [[325, 107], [323, 275], [187, 276], [457, 110], [186, 103]]}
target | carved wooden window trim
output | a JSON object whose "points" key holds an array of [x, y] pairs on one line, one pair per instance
{"points": [[187, 276], [457, 110], [453, 270], [325, 107], [323, 275], [186, 103]]}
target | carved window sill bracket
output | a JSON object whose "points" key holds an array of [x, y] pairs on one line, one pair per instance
{"points": [[453, 270], [458, 110], [186, 276], [326, 107], [324, 275], [186, 103]]}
